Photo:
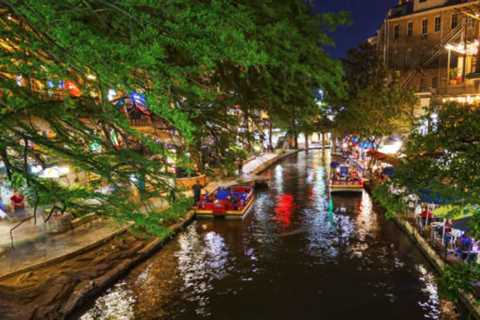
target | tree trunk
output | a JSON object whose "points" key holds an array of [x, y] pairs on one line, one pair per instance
{"points": [[306, 141], [247, 133], [295, 139], [6, 162], [270, 140], [334, 144]]}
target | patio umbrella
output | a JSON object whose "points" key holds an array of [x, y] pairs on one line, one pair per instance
{"points": [[389, 171], [334, 165], [429, 196], [462, 224]]}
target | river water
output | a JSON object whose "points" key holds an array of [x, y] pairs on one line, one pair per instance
{"points": [[289, 259]]}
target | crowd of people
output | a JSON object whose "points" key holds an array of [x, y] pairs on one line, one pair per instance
{"points": [[350, 177], [232, 198], [456, 241]]}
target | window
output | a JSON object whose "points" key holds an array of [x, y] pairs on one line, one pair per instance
{"points": [[396, 32], [424, 26], [410, 29], [470, 21], [454, 21], [438, 24]]}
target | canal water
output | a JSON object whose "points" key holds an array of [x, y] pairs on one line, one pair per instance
{"points": [[289, 259]]}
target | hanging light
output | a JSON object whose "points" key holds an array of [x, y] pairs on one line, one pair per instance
{"points": [[471, 47]]}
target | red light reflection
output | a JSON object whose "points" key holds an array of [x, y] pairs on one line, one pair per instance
{"points": [[284, 209]]}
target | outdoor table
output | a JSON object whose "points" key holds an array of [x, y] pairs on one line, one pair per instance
{"points": [[436, 226]]}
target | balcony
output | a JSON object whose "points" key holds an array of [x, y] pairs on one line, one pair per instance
{"points": [[464, 88]]}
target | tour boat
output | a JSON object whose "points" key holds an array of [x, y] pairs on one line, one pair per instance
{"points": [[345, 179], [233, 202]]}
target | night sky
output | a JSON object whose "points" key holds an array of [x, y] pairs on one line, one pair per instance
{"points": [[366, 16]]}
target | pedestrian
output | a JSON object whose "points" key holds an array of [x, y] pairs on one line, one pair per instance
{"points": [[464, 246], [18, 204], [197, 191], [3, 210], [173, 195], [240, 167]]}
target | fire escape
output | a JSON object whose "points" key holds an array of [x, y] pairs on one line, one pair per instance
{"points": [[453, 35]]}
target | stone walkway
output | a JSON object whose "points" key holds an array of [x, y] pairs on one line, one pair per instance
{"points": [[249, 167], [45, 248], [35, 246]]}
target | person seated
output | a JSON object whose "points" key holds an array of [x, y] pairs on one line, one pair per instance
{"points": [[354, 174], [3, 210], [426, 215], [234, 201], [448, 238], [464, 246], [18, 204], [448, 226], [222, 194]]}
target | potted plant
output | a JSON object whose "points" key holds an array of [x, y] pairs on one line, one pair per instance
{"points": [[453, 76]]}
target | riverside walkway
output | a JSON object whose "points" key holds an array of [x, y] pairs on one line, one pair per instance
{"points": [[34, 247]]}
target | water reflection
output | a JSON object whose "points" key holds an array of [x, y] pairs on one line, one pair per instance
{"points": [[117, 304], [290, 259], [432, 303], [201, 260], [284, 209]]}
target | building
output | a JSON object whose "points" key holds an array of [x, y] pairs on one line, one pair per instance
{"points": [[434, 46]]}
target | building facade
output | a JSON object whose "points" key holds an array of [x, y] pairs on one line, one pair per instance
{"points": [[434, 47]]}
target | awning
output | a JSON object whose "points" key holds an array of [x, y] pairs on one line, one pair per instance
{"points": [[462, 224], [334, 165], [389, 171], [377, 155], [428, 196]]}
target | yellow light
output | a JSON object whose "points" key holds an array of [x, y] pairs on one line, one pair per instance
{"points": [[471, 47]]}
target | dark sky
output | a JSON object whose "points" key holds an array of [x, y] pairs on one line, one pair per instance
{"points": [[366, 16]]}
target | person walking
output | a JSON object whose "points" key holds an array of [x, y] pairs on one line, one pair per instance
{"points": [[197, 191]]}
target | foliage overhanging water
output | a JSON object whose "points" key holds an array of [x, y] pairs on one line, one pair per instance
{"points": [[289, 259]]}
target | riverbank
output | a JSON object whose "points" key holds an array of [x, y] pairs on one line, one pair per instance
{"points": [[53, 286], [467, 299], [288, 252]]}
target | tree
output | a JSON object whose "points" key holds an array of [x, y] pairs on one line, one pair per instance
{"points": [[296, 65], [193, 62], [164, 51], [376, 105], [445, 159], [444, 162]]}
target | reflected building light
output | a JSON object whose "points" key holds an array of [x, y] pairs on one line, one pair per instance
{"points": [[117, 303], [217, 253], [278, 183], [366, 219], [430, 289]]}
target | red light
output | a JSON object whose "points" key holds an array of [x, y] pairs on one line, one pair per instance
{"points": [[284, 209]]}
